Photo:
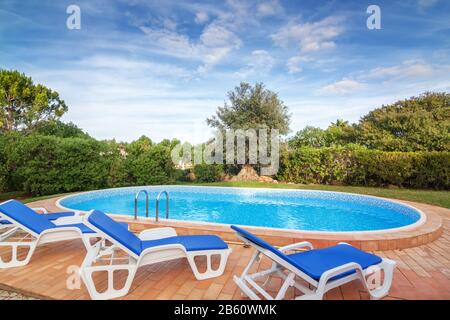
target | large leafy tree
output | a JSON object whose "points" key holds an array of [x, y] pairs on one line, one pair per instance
{"points": [[338, 133], [24, 104], [252, 107], [60, 129], [418, 123]]}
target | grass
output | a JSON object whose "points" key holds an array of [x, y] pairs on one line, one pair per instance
{"points": [[25, 198], [437, 198]]}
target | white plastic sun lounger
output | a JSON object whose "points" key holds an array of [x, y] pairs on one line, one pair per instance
{"points": [[321, 269], [151, 246], [28, 229], [8, 225]]}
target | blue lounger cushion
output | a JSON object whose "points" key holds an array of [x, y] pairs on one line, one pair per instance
{"points": [[56, 215], [25, 216], [317, 261], [37, 223], [133, 243], [49, 216], [190, 243]]}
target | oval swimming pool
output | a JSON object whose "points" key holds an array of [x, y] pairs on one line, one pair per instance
{"points": [[304, 210]]}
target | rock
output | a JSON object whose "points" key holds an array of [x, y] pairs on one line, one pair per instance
{"points": [[265, 179], [227, 177], [191, 176], [247, 173]]}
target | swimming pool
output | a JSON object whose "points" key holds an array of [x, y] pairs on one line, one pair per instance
{"points": [[304, 210]]}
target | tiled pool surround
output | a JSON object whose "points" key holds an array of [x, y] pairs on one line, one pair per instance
{"points": [[428, 229]]}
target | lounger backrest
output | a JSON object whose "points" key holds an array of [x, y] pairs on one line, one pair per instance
{"points": [[115, 231], [260, 242], [25, 216]]}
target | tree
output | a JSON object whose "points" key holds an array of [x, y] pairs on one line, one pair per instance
{"points": [[308, 137], [252, 107], [60, 129], [418, 123], [339, 133], [24, 104]]}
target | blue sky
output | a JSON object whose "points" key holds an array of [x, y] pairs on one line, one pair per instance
{"points": [[160, 68]]}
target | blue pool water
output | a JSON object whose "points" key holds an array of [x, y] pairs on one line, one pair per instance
{"points": [[289, 209]]}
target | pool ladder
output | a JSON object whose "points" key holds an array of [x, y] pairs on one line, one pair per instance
{"points": [[146, 204]]}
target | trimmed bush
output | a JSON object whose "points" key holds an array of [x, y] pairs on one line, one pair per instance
{"points": [[48, 165], [208, 172], [152, 165], [43, 165], [358, 166]]}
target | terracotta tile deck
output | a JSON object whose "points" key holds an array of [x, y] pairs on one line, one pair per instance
{"points": [[423, 272]]}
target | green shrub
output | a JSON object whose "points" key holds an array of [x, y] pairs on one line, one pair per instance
{"points": [[150, 165], [208, 172], [48, 165], [354, 165]]}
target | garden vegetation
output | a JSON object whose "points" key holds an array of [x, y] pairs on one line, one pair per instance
{"points": [[406, 144]]}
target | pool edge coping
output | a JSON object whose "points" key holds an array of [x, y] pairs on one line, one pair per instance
{"points": [[422, 220]]}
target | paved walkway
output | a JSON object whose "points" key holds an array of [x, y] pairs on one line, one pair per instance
{"points": [[423, 273]]}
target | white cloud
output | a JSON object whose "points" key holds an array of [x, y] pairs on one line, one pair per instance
{"points": [[309, 36], [216, 35], [260, 62], [342, 86], [410, 68], [294, 63], [269, 8], [170, 24], [201, 17], [426, 3], [171, 42], [215, 43]]}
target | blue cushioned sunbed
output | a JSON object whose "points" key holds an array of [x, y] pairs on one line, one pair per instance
{"points": [[323, 269], [150, 246], [133, 243], [40, 230]]}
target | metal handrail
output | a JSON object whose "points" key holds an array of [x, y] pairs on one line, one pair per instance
{"points": [[136, 203], [157, 205]]}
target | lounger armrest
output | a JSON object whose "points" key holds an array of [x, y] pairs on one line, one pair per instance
{"points": [[327, 275], [157, 233], [298, 245], [43, 210], [68, 220]]}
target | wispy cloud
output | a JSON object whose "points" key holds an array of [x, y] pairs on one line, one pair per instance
{"points": [[201, 17], [343, 86], [310, 36], [160, 68], [260, 62]]}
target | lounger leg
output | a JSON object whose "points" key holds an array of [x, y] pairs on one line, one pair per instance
{"points": [[210, 272], [388, 266], [15, 262], [246, 280], [87, 271]]}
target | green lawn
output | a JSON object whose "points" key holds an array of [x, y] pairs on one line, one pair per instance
{"points": [[438, 198]]}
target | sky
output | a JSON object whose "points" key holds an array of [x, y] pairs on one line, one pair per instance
{"points": [[160, 68]]}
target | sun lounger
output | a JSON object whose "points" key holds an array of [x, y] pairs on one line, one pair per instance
{"points": [[151, 246], [319, 269]]}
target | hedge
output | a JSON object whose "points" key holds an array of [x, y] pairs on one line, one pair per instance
{"points": [[359, 166], [208, 172], [44, 165]]}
